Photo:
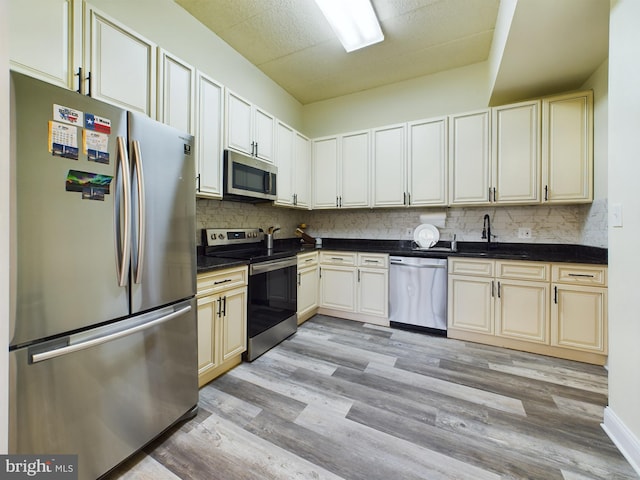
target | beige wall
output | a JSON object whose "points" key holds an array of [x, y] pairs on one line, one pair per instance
{"points": [[456, 90], [624, 261], [4, 223], [174, 29]]}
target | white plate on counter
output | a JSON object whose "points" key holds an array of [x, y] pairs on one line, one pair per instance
{"points": [[426, 235]]}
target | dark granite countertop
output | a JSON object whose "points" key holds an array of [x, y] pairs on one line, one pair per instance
{"points": [[540, 252]]}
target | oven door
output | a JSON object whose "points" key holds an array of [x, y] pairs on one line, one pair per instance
{"points": [[272, 304]]}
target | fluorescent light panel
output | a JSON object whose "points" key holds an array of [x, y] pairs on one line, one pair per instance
{"points": [[354, 22]]}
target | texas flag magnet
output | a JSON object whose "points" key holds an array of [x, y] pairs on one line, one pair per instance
{"points": [[96, 123]]}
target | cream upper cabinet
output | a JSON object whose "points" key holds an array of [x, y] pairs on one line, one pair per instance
{"points": [[354, 170], [567, 148], [176, 92], [122, 64], [250, 130], [325, 172], [516, 153], [285, 144], [302, 171], [469, 158], [341, 171], [389, 166], [293, 158], [427, 162], [209, 130], [45, 40]]}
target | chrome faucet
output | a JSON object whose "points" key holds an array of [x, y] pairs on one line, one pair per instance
{"points": [[486, 229]]}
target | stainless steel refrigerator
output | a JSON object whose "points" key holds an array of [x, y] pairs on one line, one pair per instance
{"points": [[103, 347]]}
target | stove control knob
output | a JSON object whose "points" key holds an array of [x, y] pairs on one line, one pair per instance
{"points": [[220, 236]]}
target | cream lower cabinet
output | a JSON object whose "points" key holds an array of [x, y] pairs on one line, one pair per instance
{"points": [[222, 321], [552, 309], [355, 286], [579, 309], [307, 285]]}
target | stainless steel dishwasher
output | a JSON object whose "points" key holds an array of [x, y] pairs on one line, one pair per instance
{"points": [[418, 294]]}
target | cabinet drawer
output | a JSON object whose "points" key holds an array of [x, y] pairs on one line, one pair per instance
{"points": [[533, 271], [307, 259], [338, 258], [471, 266], [214, 282], [574, 274], [373, 260]]}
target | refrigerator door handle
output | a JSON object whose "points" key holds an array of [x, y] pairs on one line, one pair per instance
{"points": [[58, 352], [123, 239], [137, 165]]}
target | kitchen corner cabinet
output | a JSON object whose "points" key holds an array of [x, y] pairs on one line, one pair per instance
{"points": [[308, 285], [469, 158], [209, 130], [355, 286], [302, 171], [222, 321], [250, 129], [341, 171], [567, 148], [176, 92], [551, 309]]}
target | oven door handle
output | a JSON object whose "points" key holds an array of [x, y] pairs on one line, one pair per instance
{"points": [[271, 265]]}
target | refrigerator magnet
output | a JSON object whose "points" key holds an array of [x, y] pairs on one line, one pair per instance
{"points": [[63, 140], [67, 115], [93, 186], [96, 146], [97, 124]]}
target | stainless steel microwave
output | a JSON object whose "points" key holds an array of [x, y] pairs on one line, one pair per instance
{"points": [[248, 178]]}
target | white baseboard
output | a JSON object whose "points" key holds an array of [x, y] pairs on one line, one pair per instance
{"points": [[624, 439]]}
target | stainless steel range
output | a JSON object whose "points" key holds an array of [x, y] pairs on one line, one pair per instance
{"points": [[272, 294]]}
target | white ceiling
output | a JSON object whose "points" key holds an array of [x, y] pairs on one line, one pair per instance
{"points": [[553, 45]]}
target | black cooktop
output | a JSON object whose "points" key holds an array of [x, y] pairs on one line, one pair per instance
{"points": [[252, 255]]}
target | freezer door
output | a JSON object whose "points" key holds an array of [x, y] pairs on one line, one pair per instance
{"points": [[163, 194], [66, 247], [105, 393]]}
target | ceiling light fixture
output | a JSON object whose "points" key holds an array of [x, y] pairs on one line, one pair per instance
{"points": [[354, 22]]}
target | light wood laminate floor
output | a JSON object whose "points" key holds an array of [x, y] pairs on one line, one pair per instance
{"points": [[346, 400]]}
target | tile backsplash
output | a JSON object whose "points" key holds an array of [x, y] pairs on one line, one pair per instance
{"points": [[573, 224]]}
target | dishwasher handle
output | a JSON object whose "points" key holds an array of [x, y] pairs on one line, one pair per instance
{"points": [[403, 263]]}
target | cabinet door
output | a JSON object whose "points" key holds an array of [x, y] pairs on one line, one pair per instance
{"points": [[209, 128], [469, 160], [427, 162], [567, 148], [373, 291], [207, 333], [516, 153], [302, 169], [354, 170], [579, 318], [122, 64], [325, 172], [389, 159], [176, 97], [307, 291], [338, 288], [522, 310], [41, 40], [238, 124], [471, 304], [285, 137], [234, 323], [264, 135]]}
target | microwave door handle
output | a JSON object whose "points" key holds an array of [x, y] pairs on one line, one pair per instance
{"points": [[270, 183], [266, 182]]}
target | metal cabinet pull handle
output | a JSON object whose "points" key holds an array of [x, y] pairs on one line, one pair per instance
{"points": [[80, 79], [498, 289], [493, 293], [358, 275], [222, 281], [581, 275], [224, 306], [546, 193], [299, 279], [555, 295]]}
